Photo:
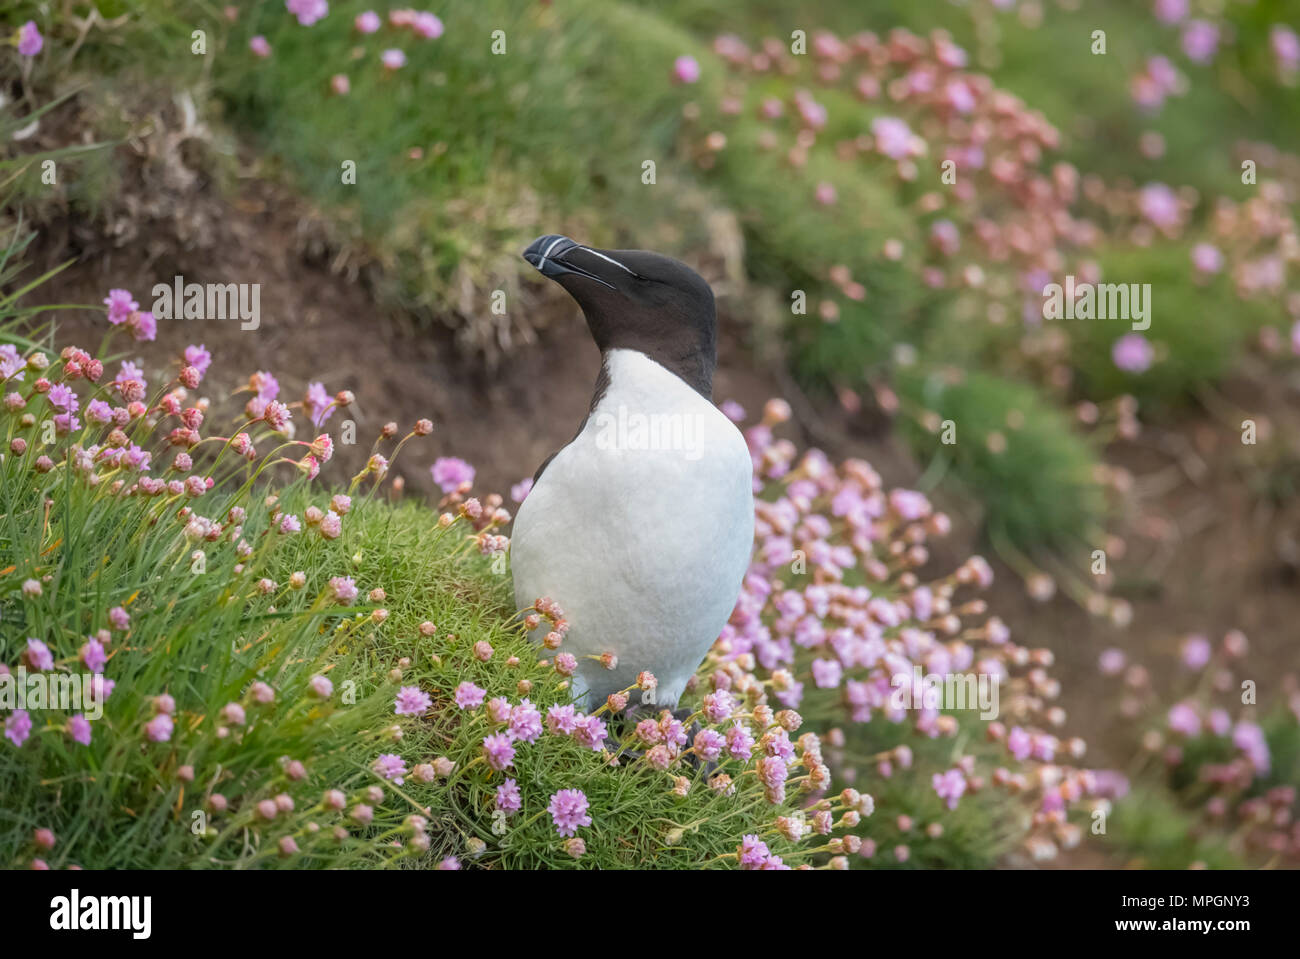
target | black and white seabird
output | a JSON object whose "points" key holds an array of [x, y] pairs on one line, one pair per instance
{"points": [[641, 527]]}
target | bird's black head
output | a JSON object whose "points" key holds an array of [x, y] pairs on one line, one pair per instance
{"points": [[637, 300]]}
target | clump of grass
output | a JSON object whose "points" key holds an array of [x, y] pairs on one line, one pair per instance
{"points": [[1197, 333], [477, 143], [1216, 757], [1037, 477]]}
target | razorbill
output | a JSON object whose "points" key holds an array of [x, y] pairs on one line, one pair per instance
{"points": [[641, 527]]}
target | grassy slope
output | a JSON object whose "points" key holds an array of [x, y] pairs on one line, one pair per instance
{"points": [[203, 639]]}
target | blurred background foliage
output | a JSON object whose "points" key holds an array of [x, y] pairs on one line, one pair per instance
{"points": [[464, 155]]}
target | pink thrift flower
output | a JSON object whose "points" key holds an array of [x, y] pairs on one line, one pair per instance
{"points": [[30, 40], [331, 527], [412, 701], [1020, 743], [562, 720], [591, 733], [469, 696], [344, 589], [260, 46], [508, 799], [367, 22], [718, 706], [826, 673], [498, 709], [1219, 722], [1170, 11], [101, 688], [78, 728], [93, 656], [520, 490], [120, 305], [61, 397], [568, 809], [198, 357], [320, 687], [525, 722], [390, 766], [1132, 353], [893, 137], [752, 852], [276, 415], [1206, 258], [143, 326], [949, 786], [1184, 720], [427, 25], [307, 11], [159, 729], [318, 404], [1196, 652], [733, 411], [1163, 74], [740, 744], [264, 384], [393, 59], [1249, 738], [38, 655], [708, 744], [499, 751], [233, 713], [1200, 41], [1159, 204], [686, 69], [18, 726], [813, 114], [1111, 662], [772, 772], [1286, 49], [451, 473]]}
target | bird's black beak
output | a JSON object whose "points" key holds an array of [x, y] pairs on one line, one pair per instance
{"points": [[552, 256]]}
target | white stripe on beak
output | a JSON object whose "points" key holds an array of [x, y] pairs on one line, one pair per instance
{"points": [[547, 252], [607, 259]]}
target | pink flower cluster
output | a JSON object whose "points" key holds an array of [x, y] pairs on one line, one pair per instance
{"points": [[1211, 743]]}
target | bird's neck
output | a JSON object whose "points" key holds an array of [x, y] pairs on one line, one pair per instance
{"points": [[696, 371]]}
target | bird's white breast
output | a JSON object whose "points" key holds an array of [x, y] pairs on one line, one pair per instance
{"points": [[641, 529]]}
